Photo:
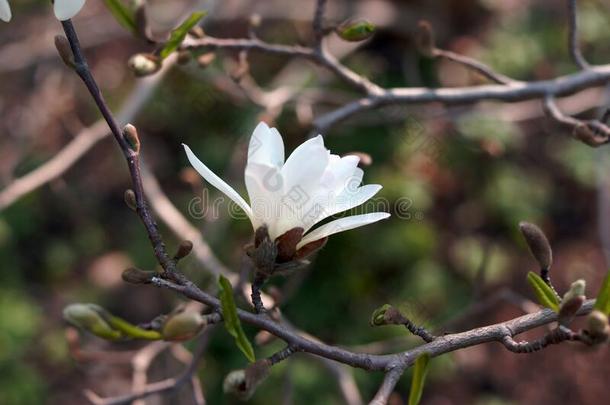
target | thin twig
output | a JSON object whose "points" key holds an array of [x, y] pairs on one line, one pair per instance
{"points": [[573, 43], [387, 387], [474, 65]]}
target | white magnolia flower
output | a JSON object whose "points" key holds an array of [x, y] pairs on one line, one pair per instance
{"points": [[64, 9], [309, 186], [5, 11]]}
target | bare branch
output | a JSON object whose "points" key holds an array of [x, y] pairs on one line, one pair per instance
{"points": [[387, 387], [573, 44], [474, 65]]}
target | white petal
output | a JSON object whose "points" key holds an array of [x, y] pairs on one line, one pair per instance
{"points": [[350, 199], [340, 225], [266, 146], [66, 9], [301, 174], [5, 11], [265, 185], [217, 182]]}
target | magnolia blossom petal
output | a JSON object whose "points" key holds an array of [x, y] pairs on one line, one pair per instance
{"points": [[66, 9], [217, 182], [5, 11], [340, 225], [348, 200], [266, 146], [264, 184], [301, 175]]}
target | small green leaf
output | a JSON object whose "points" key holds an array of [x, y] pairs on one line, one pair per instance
{"points": [[123, 14], [419, 378], [602, 303], [545, 294], [178, 35], [231, 321]]}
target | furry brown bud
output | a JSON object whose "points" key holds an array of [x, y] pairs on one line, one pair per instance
{"points": [[538, 244]]}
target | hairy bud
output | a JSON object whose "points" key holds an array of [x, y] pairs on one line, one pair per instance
{"points": [[131, 136], [197, 32], [597, 327], [183, 326], [243, 383], [130, 199], [143, 64], [90, 317], [134, 275], [185, 248], [65, 51], [355, 30], [424, 39], [538, 244]]}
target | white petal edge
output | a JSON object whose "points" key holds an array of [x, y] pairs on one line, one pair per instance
{"points": [[66, 9], [340, 225], [5, 11], [348, 200], [266, 146], [217, 182]]}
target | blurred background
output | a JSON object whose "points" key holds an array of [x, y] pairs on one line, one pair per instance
{"points": [[457, 181]]}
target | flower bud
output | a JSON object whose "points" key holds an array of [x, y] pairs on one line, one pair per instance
{"points": [[355, 30], [143, 64], [183, 326], [65, 51], [235, 383], [569, 307], [424, 39], [538, 244], [186, 246], [136, 276], [130, 199], [131, 136], [243, 383], [577, 288], [597, 325], [89, 317]]}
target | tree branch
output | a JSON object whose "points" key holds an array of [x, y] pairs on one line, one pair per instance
{"points": [[573, 44]]}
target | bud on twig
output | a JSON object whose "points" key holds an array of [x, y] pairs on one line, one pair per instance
{"points": [[186, 246], [538, 244], [355, 30], [243, 383], [143, 64], [131, 136], [89, 317], [597, 326], [130, 199], [65, 51], [183, 326], [424, 39], [134, 275]]}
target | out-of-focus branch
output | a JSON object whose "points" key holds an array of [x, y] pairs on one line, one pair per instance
{"points": [[160, 387], [591, 132], [573, 44], [81, 144]]}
